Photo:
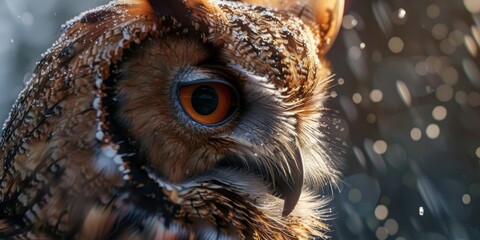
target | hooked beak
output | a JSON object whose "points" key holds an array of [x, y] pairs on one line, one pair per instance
{"points": [[291, 188]]}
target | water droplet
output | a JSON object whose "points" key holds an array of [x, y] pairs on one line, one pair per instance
{"points": [[466, 199], [416, 134], [433, 11], [472, 6], [354, 53], [349, 22], [381, 233], [444, 93], [421, 211], [380, 147], [357, 98], [439, 113], [371, 118], [404, 92], [470, 45], [376, 95], [472, 71], [395, 44], [355, 195], [440, 31], [473, 99], [392, 226], [381, 212], [402, 13], [433, 131]]}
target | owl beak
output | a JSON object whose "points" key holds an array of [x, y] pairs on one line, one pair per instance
{"points": [[292, 189]]}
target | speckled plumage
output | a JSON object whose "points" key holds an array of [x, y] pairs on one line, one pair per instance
{"points": [[97, 145]]}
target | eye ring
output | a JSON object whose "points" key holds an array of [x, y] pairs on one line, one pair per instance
{"points": [[209, 102]]}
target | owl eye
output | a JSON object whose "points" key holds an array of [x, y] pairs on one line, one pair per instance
{"points": [[209, 102]]}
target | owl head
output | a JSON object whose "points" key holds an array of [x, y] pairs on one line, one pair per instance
{"points": [[177, 90]]}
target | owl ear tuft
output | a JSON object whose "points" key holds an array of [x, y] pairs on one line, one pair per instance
{"points": [[323, 16]]}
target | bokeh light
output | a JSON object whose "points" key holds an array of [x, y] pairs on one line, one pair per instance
{"points": [[415, 89]]}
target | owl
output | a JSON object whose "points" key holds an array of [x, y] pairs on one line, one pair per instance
{"points": [[175, 119]]}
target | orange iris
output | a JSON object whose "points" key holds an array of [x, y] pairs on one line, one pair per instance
{"points": [[207, 102]]}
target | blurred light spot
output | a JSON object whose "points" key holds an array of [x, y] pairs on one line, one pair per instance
{"points": [[11, 40], [349, 109], [400, 17], [416, 134], [26, 78], [371, 118], [444, 93], [360, 156], [421, 211], [433, 11], [449, 75], [27, 18], [357, 98], [377, 56], [333, 94], [380, 147], [439, 113], [376, 95], [354, 53], [381, 233], [362, 45], [355, 195], [433, 131], [447, 47], [341, 81], [395, 44], [466, 199], [478, 152], [349, 22], [402, 13], [471, 69], [472, 6], [382, 14], [456, 37], [404, 93], [476, 34], [473, 99], [421, 68], [471, 46], [432, 63], [440, 31], [392, 226], [461, 97], [400, 238], [381, 212], [377, 160]]}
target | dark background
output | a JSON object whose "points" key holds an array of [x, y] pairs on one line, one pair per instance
{"points": [[412, 161], [407, 100]]}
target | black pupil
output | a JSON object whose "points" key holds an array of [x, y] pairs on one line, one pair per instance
{"points": [[204, 100]]}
